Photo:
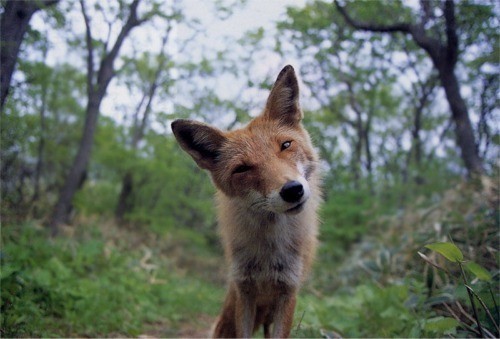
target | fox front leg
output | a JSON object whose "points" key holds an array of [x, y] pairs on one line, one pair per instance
{"points": [[283, 317], [246, 308]]}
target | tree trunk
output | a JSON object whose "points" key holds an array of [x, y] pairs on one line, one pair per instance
{"points": [[41, 146], [41, 142], [357, 154], [369, 161], [417, 142], [96, 89], [488, 105], [13, 25], [424, 90], [366, 137], [76, 175], [416, 148], [444, 55], [463, 127], [124, 201]]}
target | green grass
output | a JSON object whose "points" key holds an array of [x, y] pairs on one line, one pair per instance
{"points": [[87, 285], [101, 281], [368, 311], [97, 279]]}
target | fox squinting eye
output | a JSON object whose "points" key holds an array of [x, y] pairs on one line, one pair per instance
{"points": [[286, 145], [242, 169]]}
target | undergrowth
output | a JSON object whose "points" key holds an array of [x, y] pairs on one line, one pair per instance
{"points": [[98, 279], [94, 284], [383, 288]]}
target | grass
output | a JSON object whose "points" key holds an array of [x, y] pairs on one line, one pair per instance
{"points": [[89, 284], [99, 280]]}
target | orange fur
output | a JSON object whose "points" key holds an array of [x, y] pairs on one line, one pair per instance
{"points": [[267, 195]]}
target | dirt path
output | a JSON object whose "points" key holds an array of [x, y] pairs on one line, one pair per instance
{"points": [[198, 327]]}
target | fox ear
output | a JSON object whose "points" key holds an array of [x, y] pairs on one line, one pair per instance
{"points": [[199, 140], [283, 101]]}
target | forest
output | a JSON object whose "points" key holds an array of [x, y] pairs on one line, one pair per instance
{"points": [[108, 229]]}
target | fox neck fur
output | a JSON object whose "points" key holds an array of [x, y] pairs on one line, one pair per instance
{"points": [[268, 247]]}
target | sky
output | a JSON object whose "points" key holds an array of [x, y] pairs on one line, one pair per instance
{"points": [[252, 15]]}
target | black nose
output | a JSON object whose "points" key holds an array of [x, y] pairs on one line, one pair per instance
{"points": [[292, 191]]}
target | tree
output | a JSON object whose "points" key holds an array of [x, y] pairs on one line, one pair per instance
{"points": [[14, 23], [443, 51], [139, 125], [41, 142], [97, 84], [354, 95]]}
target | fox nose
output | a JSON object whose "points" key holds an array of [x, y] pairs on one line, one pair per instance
{"points": [[292, 191]]}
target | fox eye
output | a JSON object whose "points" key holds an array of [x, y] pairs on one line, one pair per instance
{"points": [[242, 169], [285, 145]]}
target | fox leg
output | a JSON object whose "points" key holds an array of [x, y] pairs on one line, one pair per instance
{"points": [[267, 332], [283, 317], [225, 326], [246, 309]]}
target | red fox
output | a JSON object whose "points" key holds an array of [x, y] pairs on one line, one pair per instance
{"points": [[268, 193]]}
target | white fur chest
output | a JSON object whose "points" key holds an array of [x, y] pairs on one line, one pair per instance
{"points": [[267, 252]]}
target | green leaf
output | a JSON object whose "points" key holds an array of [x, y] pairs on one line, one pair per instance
{"points": [[478, 271], [448, 250]]}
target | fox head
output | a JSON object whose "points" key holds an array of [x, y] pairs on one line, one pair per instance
{"points": [[265, 165]]}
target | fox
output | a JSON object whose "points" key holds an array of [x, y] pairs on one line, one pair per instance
{"points": [[267, 182]]}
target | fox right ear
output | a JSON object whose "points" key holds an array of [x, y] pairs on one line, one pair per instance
{"points": [[283, 101], [199, 140]]}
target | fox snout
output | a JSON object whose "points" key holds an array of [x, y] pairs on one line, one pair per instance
{"points": [[290, 198], [295, 194], [292, 191]]}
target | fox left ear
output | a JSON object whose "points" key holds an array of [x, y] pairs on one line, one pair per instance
{"points": [[202, 142], [283, 101]]}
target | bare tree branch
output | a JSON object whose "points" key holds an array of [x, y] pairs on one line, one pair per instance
{"points": [[139, 130], [416, 31], [90, 50], [106, 71], [397, 27]]}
